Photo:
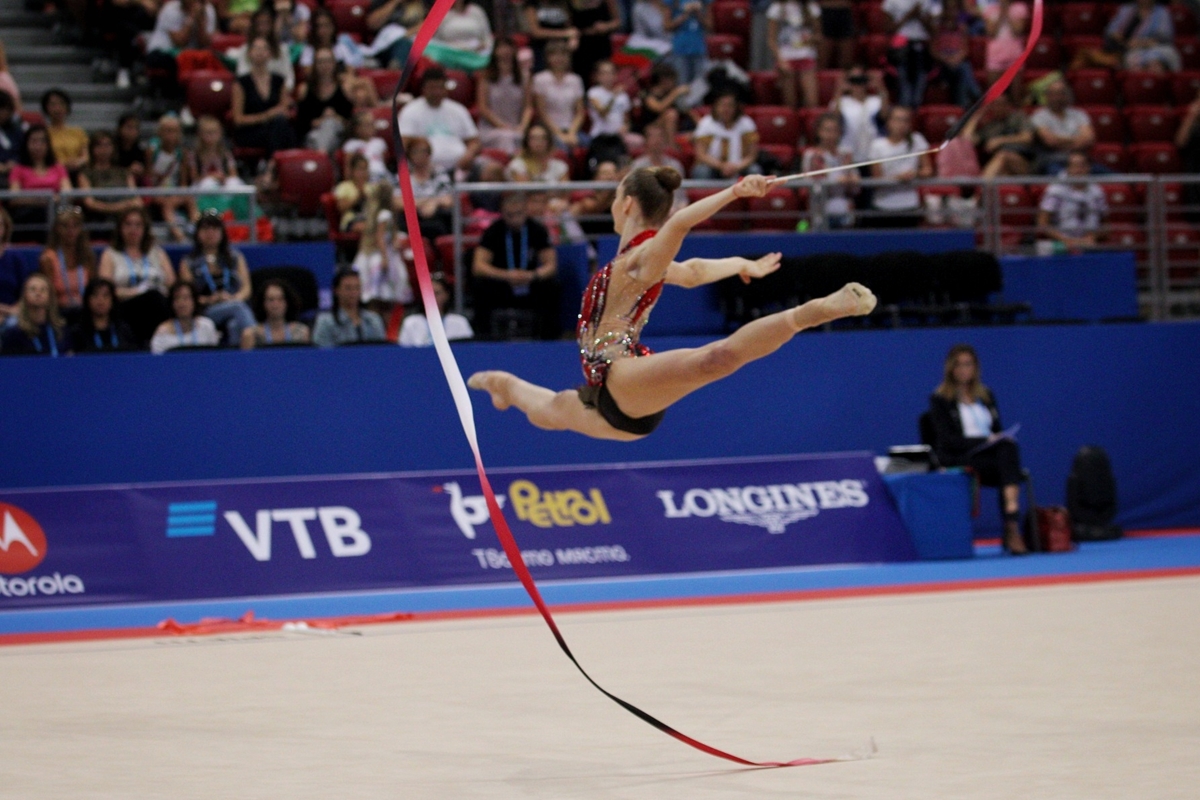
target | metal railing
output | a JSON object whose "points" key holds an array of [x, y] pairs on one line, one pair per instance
{"points": [[1155, 219], [74, 197]]}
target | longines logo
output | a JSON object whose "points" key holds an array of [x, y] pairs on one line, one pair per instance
{"points": [[772, 507]]}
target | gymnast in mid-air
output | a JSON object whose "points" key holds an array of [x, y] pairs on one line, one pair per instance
{"points": [[629, 388]]}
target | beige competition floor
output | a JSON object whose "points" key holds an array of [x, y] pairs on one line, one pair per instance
{"points": [[1087, 691]]}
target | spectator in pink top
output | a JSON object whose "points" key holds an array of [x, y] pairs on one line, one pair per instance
{"points": [[36, 169], [558, 96], [1007, 23]]}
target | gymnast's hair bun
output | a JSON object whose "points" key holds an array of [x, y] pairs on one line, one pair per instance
{"points": [[669, 177]]}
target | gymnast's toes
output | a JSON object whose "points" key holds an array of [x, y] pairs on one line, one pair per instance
{"points": [[852, 300]]}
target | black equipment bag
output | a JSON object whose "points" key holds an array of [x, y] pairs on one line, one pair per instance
{"points": [[1092, 496]]}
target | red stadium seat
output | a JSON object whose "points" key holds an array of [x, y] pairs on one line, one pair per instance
{"points": [[732, 16], [1122, 203], [1185, 87], [784, 153], [765, 86], [1108, 124], [935, 121], [1189, 52], [776, 124], [210, 92], [1183, 255], [444, 245], [1083, 19], [1146, 88], [333, 219], [873, 49], [1151, 123], [1046, 54], [1172, 194], [827, 82], [1092, 87], [1129, 237], [780, 210], [220, 42], [1112, 155], [385, 81], [978, 52], [1184, 20], [1159, 158], [731, 218], [937, 94], [1072, 43], [877, 20], [808, 122], [723, 45], [350, 15], [1016, 206], [460, 86], [304, 175]]}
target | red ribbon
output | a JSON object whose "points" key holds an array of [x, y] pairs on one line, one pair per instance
{"points": [[466, 416]]}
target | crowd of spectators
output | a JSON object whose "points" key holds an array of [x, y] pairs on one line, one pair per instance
{"points": [[579, 89]]}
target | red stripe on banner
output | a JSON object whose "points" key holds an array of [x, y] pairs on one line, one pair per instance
{"points": [[463, 403]]}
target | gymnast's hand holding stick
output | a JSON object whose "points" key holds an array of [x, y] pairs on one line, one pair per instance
{"points": [[628, 387]]}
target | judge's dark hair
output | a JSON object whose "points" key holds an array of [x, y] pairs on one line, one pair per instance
{"points": [[654, 190], [290, 297]]}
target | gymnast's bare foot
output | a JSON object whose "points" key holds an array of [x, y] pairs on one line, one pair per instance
{"points": [[852, 300], [494, 383]]}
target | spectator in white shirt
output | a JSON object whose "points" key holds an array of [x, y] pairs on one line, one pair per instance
{"points": [[444, 122], [363, 140], [608, 108], [793, 34], [861, 99], [1072, 210], [184, 329], [1060, 128], [726, 141], [900, 204], [415, 330], [558, 96]]}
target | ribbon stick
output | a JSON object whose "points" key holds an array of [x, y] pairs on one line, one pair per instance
{"points": [[995, 90], [462, 400]]}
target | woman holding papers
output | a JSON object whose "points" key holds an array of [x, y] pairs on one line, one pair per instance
{"points": [[968, 434]]}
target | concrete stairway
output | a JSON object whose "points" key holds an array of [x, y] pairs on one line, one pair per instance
{"points": [[39, 61]]}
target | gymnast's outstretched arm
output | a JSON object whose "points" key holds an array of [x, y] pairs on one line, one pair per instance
{"points": [[700, 271], [660, 252]]}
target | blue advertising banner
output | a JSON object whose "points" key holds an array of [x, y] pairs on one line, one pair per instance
{"points": [[203, 540]]}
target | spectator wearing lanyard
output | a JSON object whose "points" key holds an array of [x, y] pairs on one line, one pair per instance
{"points": [[68, 261], [141, 271], [185, 329], [515, 267], [39, 328], [349, 322], [11, 269], [221, 278], [276, 306], [98, 331]]}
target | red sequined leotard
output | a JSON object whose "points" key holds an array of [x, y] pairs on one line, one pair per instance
{"points": [[612, 316]]}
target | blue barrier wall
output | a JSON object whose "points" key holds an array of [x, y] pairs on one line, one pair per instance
{"points": [[200, 415]]}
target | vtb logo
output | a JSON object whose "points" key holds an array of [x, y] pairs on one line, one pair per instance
{"points": [[22, 541], [342, 526]]}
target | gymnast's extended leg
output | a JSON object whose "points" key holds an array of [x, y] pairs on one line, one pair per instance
{"points": [[645, 386], [545, 408]]}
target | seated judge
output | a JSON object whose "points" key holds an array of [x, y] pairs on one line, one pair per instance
{"points": [[967, 426]]}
